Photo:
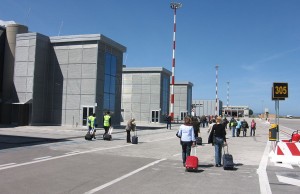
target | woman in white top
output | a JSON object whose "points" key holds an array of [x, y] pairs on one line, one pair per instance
{"points": [[187, 138]]}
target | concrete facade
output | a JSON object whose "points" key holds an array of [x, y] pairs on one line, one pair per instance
{"points": [[146, 93], [207, 107], [182, 100], [2, 49], [61, 80]]}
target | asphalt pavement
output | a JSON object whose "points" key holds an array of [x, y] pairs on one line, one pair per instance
{"points": [[57, 159]]}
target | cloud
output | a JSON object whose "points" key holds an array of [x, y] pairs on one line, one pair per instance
{"points": [[275, 56], [5, 23]]}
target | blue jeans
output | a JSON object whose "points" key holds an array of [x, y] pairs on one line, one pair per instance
{"points": [[233, 131], [186, 149], [168, 125], [218, 150]]}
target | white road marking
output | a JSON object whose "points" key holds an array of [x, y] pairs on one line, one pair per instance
{"points": [[8, 164], [177, 154], [123, 177], [287, 180], [42, 158], [74, 152], [71, 154], [262, 173], [63, 156]]}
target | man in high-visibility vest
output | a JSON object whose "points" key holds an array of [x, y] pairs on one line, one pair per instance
{"points": [[92, 124], [106, 122]]}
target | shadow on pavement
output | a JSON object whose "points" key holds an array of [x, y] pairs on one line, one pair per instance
{"points": [[11, 141]]}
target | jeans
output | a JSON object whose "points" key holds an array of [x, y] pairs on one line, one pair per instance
{"points": [[186, 149], [233, 131], [168, 124], [252, 132], [218, 150], [244, 131], [128, 136]]}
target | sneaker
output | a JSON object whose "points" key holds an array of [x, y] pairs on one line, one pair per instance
{"points": [[183, 164]]}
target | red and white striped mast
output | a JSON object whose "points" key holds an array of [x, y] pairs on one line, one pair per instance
{"points": [[174, 6], [216, 111]]}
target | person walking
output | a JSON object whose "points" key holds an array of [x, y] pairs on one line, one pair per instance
{"points": [[187, 138], [233, 125], [169, 120], [253, 127], [106, 122], [196, 126], [238, 127], [211, 124], [130, 127], [244, 127], [217, 137], [92, 124]]}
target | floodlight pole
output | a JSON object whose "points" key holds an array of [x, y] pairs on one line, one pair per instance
{"points": [[173, 6], [216, 110]]}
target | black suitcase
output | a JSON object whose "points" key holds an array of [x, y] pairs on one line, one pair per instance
{"points": [[134, 138], [199, 140], [227, 161], [88, 136], [108, 136]]}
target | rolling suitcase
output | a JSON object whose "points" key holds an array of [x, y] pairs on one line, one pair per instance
{"points": [[199, 140], [134, 138], [191, 163], [227, 161], [89, 135], [108, 136]]}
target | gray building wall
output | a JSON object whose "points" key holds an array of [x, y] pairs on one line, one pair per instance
{"points": [[182, 99], [143, 92], [58, 77], [8, 69], [207, 107], [2, 49], [31, 75]]}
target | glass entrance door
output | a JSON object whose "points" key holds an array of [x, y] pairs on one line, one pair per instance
{"points": [[183, 115], [154, 116], [86, 112]]}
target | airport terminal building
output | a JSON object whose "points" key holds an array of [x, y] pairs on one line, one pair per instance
{"points": [[183, 93], [61, 80], [145, 94]]}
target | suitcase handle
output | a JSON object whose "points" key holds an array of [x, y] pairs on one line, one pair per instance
{"points": [[224, 149], [195, 150]]}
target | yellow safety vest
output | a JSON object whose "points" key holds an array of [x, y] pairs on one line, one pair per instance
{"points": [[91, 121], [106, 121]]}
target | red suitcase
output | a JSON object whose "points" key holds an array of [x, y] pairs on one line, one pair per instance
{"points": [[191, 163]]}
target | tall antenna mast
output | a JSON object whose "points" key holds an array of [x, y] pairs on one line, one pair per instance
{"points": [[216, 110]]}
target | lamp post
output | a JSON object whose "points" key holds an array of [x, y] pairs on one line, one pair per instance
{"points": [[173, 6]]}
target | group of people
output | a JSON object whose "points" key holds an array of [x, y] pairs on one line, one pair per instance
{"points": [[236, 126], [217, 134], [187, 137], [92, 123]]}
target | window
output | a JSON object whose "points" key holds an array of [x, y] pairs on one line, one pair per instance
{"points": [[110, 82]]}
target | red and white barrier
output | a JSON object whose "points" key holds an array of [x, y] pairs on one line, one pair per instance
{"points": [[286, 152]]}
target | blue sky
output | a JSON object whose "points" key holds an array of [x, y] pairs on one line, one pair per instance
{"points": [[254, 42]]}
